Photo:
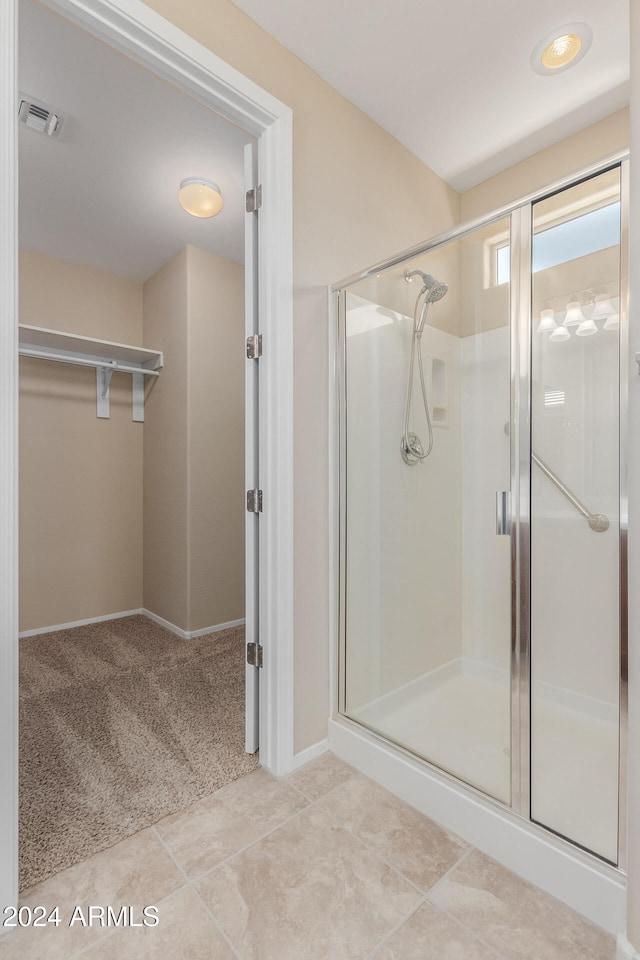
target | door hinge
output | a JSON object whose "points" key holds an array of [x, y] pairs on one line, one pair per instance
{"points": [[254, 654], [254, 346], [254, 501], [253, 199]]}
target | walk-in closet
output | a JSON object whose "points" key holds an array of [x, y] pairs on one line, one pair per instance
{"points": [[132, 449]]}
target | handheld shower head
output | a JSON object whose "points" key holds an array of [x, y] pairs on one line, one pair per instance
{"points": [[410, 447], [434, 289]]}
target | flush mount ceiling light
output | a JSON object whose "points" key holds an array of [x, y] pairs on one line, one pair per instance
{"points": [[561, 48], [201, 198]]}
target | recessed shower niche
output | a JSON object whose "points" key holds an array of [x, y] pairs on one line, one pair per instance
{"points": [[481, 604]]}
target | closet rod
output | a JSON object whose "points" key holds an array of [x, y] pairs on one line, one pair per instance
{"points": [[81, 361]]}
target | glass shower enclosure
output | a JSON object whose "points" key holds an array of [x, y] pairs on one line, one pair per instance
{"points": [[482, 506]]}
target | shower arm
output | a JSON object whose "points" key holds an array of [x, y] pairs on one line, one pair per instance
{"points": [[597, 521]]}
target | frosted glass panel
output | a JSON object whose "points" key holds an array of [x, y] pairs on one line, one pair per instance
{"points": [[428, 581], [575, 614]]}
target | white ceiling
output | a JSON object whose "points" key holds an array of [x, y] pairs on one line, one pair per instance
{"points": [[105, 194], [451, 79]]}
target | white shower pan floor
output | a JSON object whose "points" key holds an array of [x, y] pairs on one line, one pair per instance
{"points": [[459, 718]]}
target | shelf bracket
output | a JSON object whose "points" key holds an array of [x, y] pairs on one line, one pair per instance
{"points": [[103, 382], [104, 355], [137, 394]]}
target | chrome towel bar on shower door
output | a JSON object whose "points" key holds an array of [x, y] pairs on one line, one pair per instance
{"points": [[597, 521]]}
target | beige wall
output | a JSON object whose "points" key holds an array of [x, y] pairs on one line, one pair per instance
{"points": [[359, 196], [216, 362], [80, 476], [565, 158], [194, 442], [165, 446], [85, 511]]}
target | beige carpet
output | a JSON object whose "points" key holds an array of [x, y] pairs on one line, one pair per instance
{"points": [[121, 723]]}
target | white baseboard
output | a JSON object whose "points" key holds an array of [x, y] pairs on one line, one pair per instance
{"points": [[624, 950], [80, 623], [185, 634], [191, 634], [311, 753], [584, 883]]}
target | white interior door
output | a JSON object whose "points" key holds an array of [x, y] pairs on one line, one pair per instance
{"points": [[252, 529]]}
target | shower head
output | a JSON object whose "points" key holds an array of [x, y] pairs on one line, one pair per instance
{"points": [[434, 289]]}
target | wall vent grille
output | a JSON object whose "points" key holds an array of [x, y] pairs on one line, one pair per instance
{"points": [[39, 117]]}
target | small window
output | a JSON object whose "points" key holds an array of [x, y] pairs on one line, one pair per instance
{"points": [[503, 267], [568, 240]]}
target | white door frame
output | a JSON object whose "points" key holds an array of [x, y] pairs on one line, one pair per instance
{"points": [[134, 29]]}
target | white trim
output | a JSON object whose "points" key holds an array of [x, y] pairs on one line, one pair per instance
{"points": [[333, 452], [80, 623], [190, 634], [135, 30], [311, 753], [251, 461], [276, 586], [185, 634], [624, 950], [8, 457], [216, 628], [578, 879]]}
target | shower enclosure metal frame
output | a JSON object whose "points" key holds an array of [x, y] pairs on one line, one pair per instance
{"points": [[520, 213]]}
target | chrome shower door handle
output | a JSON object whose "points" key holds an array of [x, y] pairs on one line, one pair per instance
{"points": [[503, 513]]}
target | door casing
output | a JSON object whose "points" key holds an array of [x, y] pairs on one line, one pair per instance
{"points": [[135, 30]]}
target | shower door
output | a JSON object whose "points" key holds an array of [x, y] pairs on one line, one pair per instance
{"points": [[483, 550], [426, 574], [575, 513]]}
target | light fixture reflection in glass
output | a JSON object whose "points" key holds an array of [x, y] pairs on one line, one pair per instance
{"points": [[547, 322], [587, 328], [574, 314], [201, 198], [612, 323], [560, 333], [603, 307]]}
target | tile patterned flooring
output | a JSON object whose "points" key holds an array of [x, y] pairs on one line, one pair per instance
{"points": [[325, 865]]}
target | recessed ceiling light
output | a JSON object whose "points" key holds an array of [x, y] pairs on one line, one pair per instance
{"points": [[561, 48], [201, 198]]}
